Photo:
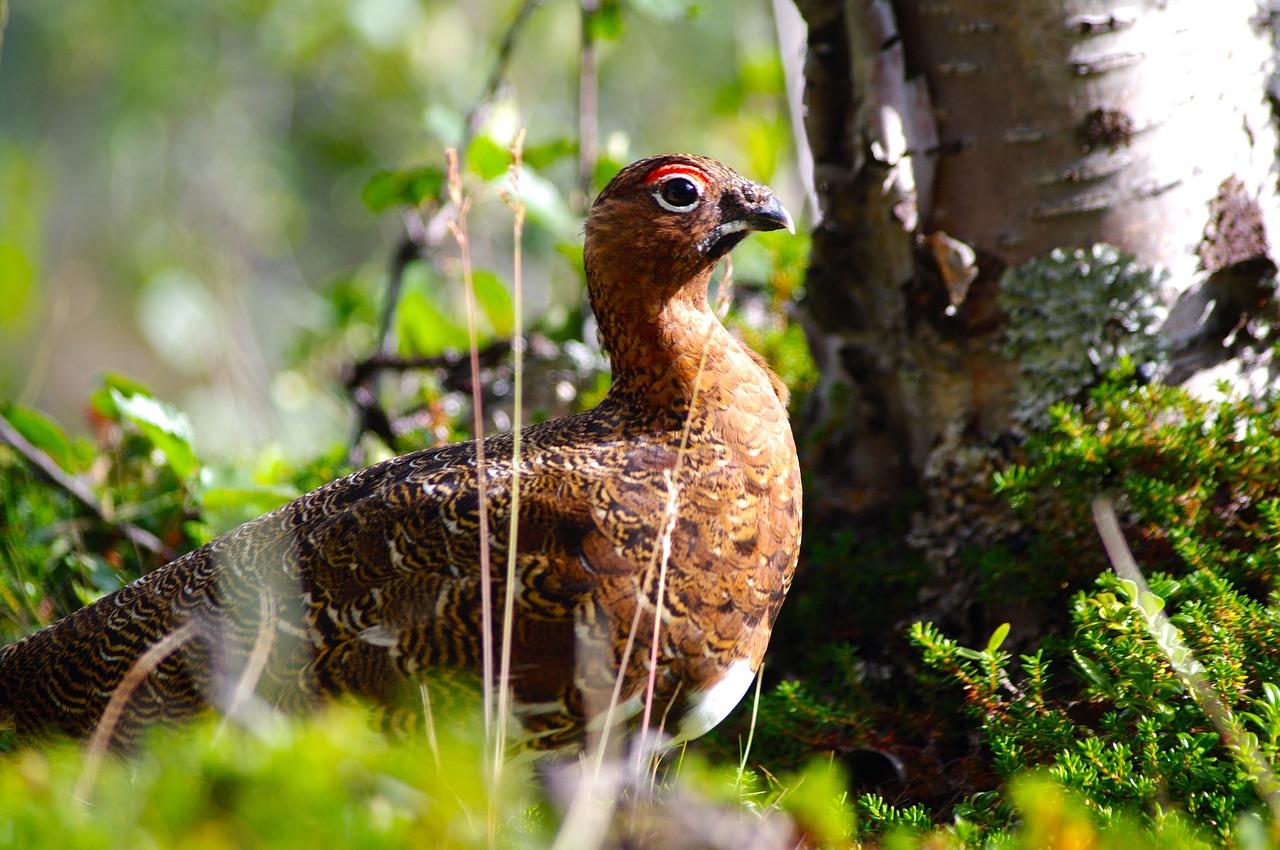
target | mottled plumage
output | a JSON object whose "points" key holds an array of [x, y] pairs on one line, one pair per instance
{"points": [[684, 476]]}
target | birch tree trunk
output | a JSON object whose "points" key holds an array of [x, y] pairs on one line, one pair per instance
{"points": [[954, 141]]}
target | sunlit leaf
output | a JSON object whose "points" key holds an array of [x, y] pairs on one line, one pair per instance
{"points": [[819, 803], [663, 11], [998, 637], [487, 158], [547, 207], [15, 282], [103, 401], [165, 426]]}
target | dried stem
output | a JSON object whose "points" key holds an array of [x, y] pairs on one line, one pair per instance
{"points": [[458, 227], [515, 202], [259, 655], [112, 714], [658, 561]]}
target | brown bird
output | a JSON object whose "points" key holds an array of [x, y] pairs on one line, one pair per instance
{"points": [[675, 500]]}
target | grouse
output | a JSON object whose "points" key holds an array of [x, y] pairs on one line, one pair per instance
{"points": [[656, 534]]}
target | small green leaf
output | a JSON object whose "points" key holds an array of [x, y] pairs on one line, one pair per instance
{"points": [[1093, 672], [487, 158], [16, 277], [1149, 603], [605, 170], [997, 637], [102, 401], [541, 156], [547, 207], [165, 426], [42, 432], [409, 188], [605, 23], [495, 301], [819, 803]]}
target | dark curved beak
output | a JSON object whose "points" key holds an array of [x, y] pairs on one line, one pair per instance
{"points": [[771, 215], [754, 209]]}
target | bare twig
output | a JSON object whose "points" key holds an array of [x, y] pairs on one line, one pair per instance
{"points": [[491, 355], [363, 383], [247, 682], [48, 469]]}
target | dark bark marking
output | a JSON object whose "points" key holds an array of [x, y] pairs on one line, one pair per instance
{"points": [[1236, 232], [1110, 127], [1104, 63], [1098, 24]]}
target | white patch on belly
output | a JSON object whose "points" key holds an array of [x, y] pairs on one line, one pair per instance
{"points": [[709, 707]]}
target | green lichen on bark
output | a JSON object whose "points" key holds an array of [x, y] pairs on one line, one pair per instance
{"points": [[1073, 315]]}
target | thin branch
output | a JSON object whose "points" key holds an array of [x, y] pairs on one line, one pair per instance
{"points": [[48, 469], [491, 355], [410, 249]]}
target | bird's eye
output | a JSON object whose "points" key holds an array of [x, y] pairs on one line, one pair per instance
{"points": [[679, 194]]}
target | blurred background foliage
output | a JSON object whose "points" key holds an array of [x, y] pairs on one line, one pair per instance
{"points": [[181, 185]]}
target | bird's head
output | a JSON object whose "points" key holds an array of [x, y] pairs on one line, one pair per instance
{"points": [[667, 220]]}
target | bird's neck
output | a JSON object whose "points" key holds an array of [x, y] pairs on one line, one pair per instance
{"points": [[661, 352]]}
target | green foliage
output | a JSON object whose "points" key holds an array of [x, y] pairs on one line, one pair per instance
{"points": [[1198, 481], [57, 553], [769, 270], [330, 781], [1134, 747], [1157, 710], [1073, 315], [409, 188]]}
